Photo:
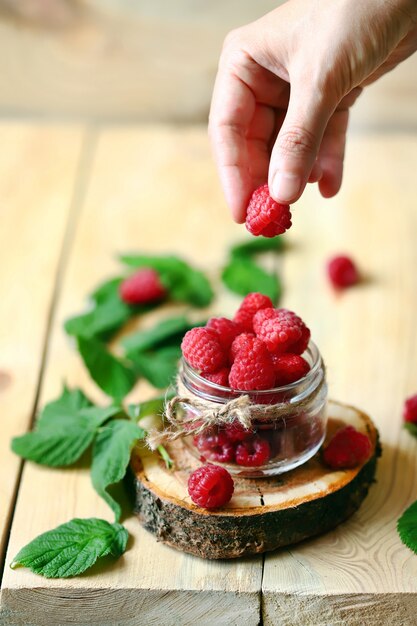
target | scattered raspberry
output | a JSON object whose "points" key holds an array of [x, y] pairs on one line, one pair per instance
{"points": [[289, 368], [410, 409], [142, 287], [237, 432], [252, 368], [347, 448], [201, 348], [210, 486], [254, 452], [221, 377], [226, 329], [266, 217], [281, 330], [250, 304], [342, 272], [244, 340]]}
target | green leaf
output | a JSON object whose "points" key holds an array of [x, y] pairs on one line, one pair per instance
{"points": [[61, 438], [158, 367], [257, 245], [183, 282], [407, 527], [69, 403], [71, 548], [155, 406], [169, 463], [412, 428], [115, 377], [172, 329], [108, 314], [243, 276], [111, 455]]}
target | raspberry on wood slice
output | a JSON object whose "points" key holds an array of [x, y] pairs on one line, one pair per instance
{"points": [[142, 287], [347, 449], [342, 272], [410, 409], [281, 330], [265, 216], [202, 349], [289, 368], [250, 304], [252, 368], [226, 329], [210, 486]]}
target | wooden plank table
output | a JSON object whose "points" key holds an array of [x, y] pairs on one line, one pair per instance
{"points": [[155, 189]]}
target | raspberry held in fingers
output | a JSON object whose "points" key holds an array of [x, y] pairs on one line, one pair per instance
{"points": [[266, 217]]}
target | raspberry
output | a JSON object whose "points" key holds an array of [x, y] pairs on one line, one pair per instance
{"points": [[289, 368], [216, 447], [266, 217], [342, 272], [221, 377], [226, 329], [252, 368], [410, 409], [253, 452], [250, 304], [237, 432], [142, 287], [210, 486], [244, 340], [281, 330], [201, 348], [347, 448]]}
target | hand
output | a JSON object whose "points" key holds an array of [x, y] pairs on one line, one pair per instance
{"points": [[284, 87]]}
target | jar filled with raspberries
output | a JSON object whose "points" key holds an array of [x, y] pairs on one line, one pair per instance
{"points": [[252, 391]]}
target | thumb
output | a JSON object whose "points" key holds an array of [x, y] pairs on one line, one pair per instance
{"points": [[298, 143]]}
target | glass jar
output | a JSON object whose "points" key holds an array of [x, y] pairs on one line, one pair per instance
{"points": [[290, 433]]}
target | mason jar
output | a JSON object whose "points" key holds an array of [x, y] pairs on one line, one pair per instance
{"points": [[287, 424]]}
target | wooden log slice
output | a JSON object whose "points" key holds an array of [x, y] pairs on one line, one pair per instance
{"points": [[264, 513]]}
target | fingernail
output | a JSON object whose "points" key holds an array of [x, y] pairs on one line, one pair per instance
{"points": [[285, 186]]}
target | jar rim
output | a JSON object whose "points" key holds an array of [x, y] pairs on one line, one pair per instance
{"points": [[312, 351]]}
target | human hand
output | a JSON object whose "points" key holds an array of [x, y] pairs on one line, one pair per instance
{"points": [[284, 86]]}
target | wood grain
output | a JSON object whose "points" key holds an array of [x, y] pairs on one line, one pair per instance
{"points": [[140, 178], [37, 173], [360, 572]]}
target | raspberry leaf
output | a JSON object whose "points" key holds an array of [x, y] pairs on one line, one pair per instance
{"points": [[183, 282], [155, 406], [257, 245], [168, 331], [111, 455], [72, 548], [158, 367], [65, 429], [115, 377], [243, 276], [411, 427], [407, 527]]}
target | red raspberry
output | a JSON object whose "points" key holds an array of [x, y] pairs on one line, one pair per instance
{"points": [[201, 348], [244, 340], [342, 272], [281, 330], [216, 447], [254, 452], [250, 304], [252, 368], [289, 368], [266, 217], [226, 329], [210, 486], [347, 448], [237, 432], [221, 377], [142, 287], [410, 409]]}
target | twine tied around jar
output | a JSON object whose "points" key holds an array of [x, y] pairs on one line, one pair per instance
{"points": [[208, 414]]}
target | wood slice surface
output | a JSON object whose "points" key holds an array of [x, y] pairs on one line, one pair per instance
{"points": [[264, 513]]}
